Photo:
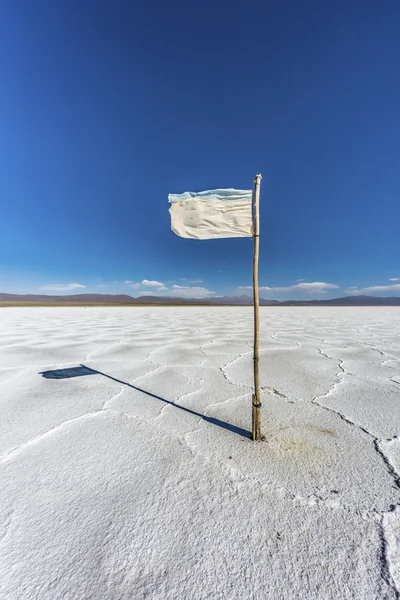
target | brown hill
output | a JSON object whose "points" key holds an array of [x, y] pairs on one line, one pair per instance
{"points": [[124, 299]]}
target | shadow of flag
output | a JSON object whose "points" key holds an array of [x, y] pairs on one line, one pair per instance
{"points": [[80, 371]]}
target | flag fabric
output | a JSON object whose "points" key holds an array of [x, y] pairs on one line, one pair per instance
{"points": [[212, 214]]}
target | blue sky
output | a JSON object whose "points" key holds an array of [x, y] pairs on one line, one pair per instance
{"points": [[106, 107]]}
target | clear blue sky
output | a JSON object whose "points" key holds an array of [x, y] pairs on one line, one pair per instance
{"points": [[106, 107]]}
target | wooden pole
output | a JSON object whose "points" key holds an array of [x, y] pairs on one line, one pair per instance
{"points": [[256, 417]]}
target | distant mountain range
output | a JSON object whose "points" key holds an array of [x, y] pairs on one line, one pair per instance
{"points": [[124, 299]]}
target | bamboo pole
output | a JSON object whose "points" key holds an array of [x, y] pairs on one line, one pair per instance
{"points": [[256, 416]]}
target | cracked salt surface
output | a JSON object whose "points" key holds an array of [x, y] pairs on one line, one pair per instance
{"points": [[133, 476]]}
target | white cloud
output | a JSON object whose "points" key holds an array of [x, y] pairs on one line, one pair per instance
{"points": [[152, 283], [159, 288], [62, 287], [394, 278], [374, 289], [249, 288], [184, 291], [143, 283], [127, 282], [316, 287], [300, 279]]}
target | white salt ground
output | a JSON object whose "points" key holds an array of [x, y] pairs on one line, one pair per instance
{"points": [[132, 476]]}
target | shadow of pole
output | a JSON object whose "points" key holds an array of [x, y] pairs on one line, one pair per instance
{"points": [[83, 370]]}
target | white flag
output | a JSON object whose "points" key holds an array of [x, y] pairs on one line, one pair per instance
{"points": [[212, 214]]}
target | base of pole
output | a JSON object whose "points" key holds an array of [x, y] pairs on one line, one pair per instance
{"points": [[256, 420]]}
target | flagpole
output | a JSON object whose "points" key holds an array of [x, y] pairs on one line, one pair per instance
{"points": [[256, 417]]}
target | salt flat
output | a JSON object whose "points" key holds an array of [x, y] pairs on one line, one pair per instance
{"points": [[127, 471]]}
